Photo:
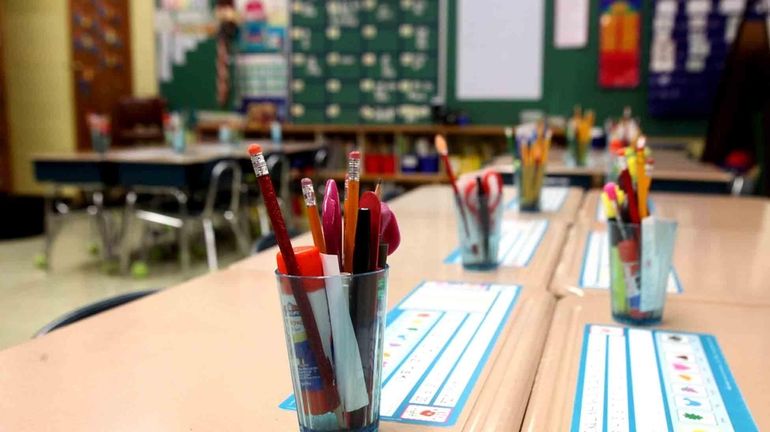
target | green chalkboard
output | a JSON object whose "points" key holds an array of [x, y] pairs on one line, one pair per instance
{"points": [[570, 77]]}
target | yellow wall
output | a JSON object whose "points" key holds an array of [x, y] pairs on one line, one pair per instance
{"points": [[38, 82], [40, 101], [143, 47]]}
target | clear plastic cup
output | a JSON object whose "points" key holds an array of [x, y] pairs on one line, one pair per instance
{"points": [[341, 392], [640, 264], [479, 234], [529, 185]]}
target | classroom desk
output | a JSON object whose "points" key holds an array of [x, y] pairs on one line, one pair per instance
{"points": [[149, 166], [673, 171], [741, 331], [711, 264], [210, 355], [439, 199], [428, 238], [697, 211]]}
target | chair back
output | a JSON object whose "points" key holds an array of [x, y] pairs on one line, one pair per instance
{"points": [[223, 171], [91, 310]]}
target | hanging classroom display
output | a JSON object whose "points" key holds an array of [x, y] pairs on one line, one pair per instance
{"points": [[619, 43]]}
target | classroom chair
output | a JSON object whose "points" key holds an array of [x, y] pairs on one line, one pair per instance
{"points": [[136, 120], [222, 201], [91, 310]]}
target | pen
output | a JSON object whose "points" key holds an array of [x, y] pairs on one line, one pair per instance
{"points": [[363, 298], [312, 214], [370, 201], [483, 216], [351, 209]]}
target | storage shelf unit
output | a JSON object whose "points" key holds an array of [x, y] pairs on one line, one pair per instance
{"points": [[469, 146]]}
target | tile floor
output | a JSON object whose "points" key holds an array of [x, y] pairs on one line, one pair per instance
{"points": [[31, 297]]}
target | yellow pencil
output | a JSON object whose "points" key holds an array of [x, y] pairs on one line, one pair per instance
{"points": [[312, 215]]}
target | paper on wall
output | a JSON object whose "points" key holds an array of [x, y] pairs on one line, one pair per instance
{"points": [[571, 23]]}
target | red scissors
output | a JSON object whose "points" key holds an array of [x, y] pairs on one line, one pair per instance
{"points": [[492, 184]]}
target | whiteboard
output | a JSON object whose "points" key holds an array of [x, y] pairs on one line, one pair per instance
{"points": [[500, 49]]}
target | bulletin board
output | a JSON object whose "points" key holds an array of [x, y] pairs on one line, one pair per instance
{"points": [[367, 61]]}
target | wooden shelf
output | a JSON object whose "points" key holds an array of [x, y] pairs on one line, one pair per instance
{"points": [[404, 178], [470, 130]]}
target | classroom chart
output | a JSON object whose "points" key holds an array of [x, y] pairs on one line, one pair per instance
{"points": [[551, 200], [595, 270], [654, 380], [519, 241], [437, 342]]}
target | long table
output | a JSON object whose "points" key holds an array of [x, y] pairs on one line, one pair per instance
{"points": [[210, 354], [697, 211], [149, 166], [428, 239], [740, 330], [673, 171], [709, 264], [557, 203]]}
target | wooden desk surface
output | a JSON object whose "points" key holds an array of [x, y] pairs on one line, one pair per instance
{"points": [[439, 200], [161, 154], [428, 239], [698, 211], [719, 265], [671, 165], [741, 331], [210, 355]]}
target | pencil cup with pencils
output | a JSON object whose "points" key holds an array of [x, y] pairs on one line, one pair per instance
{"points": [[530, 157], [579, 136], [341, 390], [529, 184], [640, 266], [480, 216], [99, 128]]}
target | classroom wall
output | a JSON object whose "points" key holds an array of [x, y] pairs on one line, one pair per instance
{"points": [[38, 75], [571, 77], [39, 84], [143, 47]]}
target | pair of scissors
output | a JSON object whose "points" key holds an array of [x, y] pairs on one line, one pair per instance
{"points": [[482, 197], [492, 186]]}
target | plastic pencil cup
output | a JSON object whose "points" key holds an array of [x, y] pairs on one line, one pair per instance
{"points": [[342, 391], [100, 141], [529, 185], [640, 264], [479, 234]]}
